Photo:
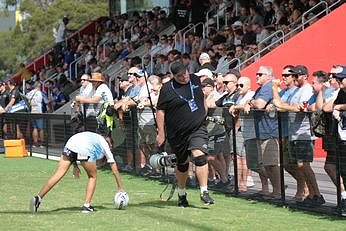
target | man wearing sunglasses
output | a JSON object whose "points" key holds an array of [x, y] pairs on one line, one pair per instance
{"points": [[266, 129], [338, 106], [301, 145]]}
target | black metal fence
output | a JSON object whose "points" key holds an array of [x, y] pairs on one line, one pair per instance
{"points": [[245, 141]]}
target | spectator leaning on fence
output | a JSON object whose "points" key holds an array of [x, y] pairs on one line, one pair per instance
{"points": [[266, 134], [35, 99]]}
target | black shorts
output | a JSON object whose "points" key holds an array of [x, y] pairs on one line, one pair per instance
{"points": [[72, 156], [301, 150], [182, 146]]}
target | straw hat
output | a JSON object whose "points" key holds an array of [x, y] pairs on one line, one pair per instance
{"points": [[96, 77]]}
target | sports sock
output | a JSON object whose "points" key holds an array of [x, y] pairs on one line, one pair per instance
{"points": [[204, 188], [87, 205], [343, 195], [39, 198], [181, 191]]}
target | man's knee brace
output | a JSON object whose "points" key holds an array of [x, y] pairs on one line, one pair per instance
{"points": [[200, 160], [183, 167]]}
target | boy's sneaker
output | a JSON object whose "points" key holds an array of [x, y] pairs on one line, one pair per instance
{"points": [[87, 209], [206, 199], [34, 204], [182, 201]]}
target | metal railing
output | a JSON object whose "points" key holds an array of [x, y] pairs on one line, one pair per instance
{"points": [[306, 13], [193, 27], [290, 33]]}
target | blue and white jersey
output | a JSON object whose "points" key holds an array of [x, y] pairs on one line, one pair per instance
{"points": [[90, 144]]}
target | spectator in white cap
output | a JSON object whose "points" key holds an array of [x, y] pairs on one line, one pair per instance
{"points": [[204, 74], [205, 62]]}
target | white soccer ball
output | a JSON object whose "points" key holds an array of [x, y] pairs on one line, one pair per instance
{"points": [[121, 200]]}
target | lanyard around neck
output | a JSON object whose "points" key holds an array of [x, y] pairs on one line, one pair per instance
{"points": [[182, 97]]}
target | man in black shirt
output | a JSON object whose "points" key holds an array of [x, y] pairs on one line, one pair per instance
{"points": [[181, 113], [338, 72]]}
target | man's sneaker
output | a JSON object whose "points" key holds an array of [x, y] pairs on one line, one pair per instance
{"points": [[206, 199], [34, 204], [145, 171], [343, 208], [317, 200], [87, 209], [182, 201]]}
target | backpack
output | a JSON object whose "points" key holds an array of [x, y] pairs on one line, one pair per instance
{"points": [[318, 123]]}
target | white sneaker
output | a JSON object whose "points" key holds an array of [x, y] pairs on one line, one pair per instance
{"points": [[250, 183]]}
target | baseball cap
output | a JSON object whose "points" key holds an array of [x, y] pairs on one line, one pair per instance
{"points": [[342, 73], [299, 70], [205, 72], [204, 56], [237, 23], [177, 68], [207, 82]]}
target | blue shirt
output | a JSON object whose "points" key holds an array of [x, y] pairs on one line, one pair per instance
{"points": [[266, 127]]}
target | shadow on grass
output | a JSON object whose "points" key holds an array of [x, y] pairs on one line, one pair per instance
{"points": [[63, 209]]}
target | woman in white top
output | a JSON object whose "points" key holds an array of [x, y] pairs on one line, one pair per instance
{"points": [[86, 147]]}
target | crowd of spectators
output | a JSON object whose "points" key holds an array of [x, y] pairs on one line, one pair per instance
{"points": [[214, 58]]}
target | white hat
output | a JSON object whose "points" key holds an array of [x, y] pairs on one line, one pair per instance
{"points": [[204, 56], [237, 23], [205, 72]]}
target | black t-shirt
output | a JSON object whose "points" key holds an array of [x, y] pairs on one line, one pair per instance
{"points": [[4, 99], [341, 98], [14, 94], [179, 119], [181, 16]]}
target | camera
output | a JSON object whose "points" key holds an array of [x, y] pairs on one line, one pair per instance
{"points": [[162, 159]]}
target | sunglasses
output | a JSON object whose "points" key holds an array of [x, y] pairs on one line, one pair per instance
{"points": [[295, 76], [240, 85], [226, 82], [285, 75], [82, 80], [332, 75], [129, 73], [260, 74]]}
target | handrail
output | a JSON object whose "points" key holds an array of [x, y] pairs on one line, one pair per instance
{"points": [[187, 27], [312, 8], [273, 35], [70, 67], [291, 32], [207, 17], [98, 47], [229, 63], [76, 67], [258, 54], [194, 30], [50, 77], [227, 4]]}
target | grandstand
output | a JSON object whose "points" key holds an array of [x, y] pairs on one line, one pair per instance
{"points": [[273, 33]]}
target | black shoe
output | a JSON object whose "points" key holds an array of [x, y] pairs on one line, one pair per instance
{"points": [[343, 208], [182, 201], [145, 171], [206, 199], [34, 204], [87, 209], [318, 200]]}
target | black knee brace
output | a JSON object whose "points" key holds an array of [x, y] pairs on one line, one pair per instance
{"points": [[183, 167], [200, 160]]}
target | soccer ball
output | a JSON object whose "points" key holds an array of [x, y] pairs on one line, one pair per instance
{"points": [[121, 200]]}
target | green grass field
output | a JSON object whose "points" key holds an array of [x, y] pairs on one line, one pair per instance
{"points": [[21, 178]]}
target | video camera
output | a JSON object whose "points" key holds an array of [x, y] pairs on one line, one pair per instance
{"points": [[162, 159]]}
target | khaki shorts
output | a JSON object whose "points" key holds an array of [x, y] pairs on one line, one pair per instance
{"points": [[269, 151], [147, 134]]}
